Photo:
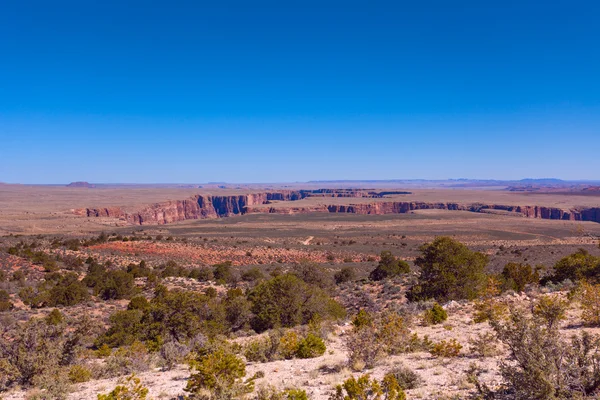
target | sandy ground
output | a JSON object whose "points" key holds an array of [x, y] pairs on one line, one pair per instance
{"points": [[442, 378]]}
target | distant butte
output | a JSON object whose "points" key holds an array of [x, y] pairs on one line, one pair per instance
{"points": [[81, 185]]}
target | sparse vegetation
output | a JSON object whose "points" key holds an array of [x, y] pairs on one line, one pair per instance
{"points": [[156, 305]]}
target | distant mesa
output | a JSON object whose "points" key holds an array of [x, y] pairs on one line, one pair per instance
{"points": [[81, 185]]}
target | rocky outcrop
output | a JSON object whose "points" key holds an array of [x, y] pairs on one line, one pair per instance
{"points": [[197, 207], [206, 206]]}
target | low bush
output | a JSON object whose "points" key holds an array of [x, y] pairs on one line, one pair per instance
{"points": [[56, 290], [219, 372], [223, 273], [542, 365], [313, 274], [271, 393], [5, 303], [252, 275], [489, 307], [365, 388], [590, 304], [117, 285], [37, 353], [450, 348], [172, 353], [550, 310], [288, 345], [129, 389], [484, 345], [577, 266], [79, 374], [284, 345], [406, 377], [388, 267], [373, 337], [516, 276], [310, 347], [346, 274], [127, 360], [435, 315]]}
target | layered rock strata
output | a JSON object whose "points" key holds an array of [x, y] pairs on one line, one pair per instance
{"points": [[205, 206]]}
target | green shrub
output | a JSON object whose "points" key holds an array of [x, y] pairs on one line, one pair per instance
{"points": [[130, 389], [575, 267], [36, 352], [271, 393], [435, 315], [450, 348], [516, 276], [252, 275], [258, 350], [219, 372], [313, 274], [177, 314], [201, 274], [288, 344], [590, 304], [117, 285], [310, 347], [542, 365], [55, 317], [484, 345], [551, 310], [374, 338], [128, 359], [103, 351], [56, 290], [363, 319], [287, 301], [346, 274], [449, 271], [389, 267], [125, 328], [5, 303], [237, 309], [79, 374], [489, 307], [138, 303], [365, 388], [222, 272]]}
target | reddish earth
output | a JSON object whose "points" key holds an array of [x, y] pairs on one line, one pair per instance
{"points": [[213, 254]]}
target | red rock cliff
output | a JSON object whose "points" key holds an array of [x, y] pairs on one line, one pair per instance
{"points": [[203, 206]]}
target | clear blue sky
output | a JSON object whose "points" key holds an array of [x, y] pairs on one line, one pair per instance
{"points": [[254, 91]]}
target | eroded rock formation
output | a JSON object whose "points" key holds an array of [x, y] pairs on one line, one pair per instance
{"points": [[206, 206]]}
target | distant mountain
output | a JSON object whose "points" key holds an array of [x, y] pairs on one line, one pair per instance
{"points": [[543, 181]]}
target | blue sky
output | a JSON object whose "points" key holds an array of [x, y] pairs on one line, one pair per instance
{"points": [[198, 91]]}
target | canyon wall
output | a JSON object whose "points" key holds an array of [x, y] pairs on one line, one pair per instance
{"points": [[205, 206]]}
